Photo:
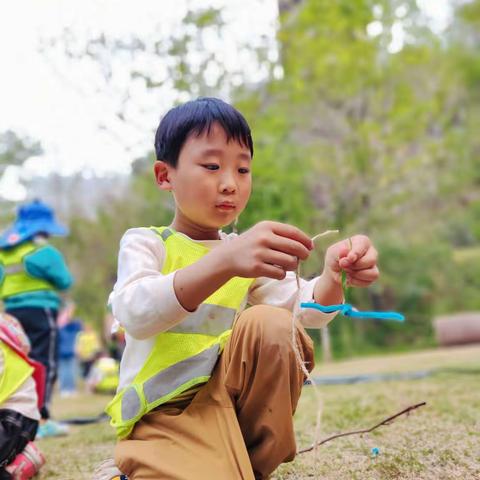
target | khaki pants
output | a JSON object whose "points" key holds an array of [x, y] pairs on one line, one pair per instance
{"points": [[239, 425]]}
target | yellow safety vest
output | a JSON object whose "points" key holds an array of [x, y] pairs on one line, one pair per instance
{"points": [[185, 355], [87, 345], [107, 369], [15, 371], [16, 279]]}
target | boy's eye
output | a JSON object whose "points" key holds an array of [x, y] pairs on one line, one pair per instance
{"points": [[243, 170], [211, 166]]}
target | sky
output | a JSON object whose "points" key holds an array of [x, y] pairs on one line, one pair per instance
{"points": [[44, 97]]}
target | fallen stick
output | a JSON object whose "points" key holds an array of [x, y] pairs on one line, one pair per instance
{"points": [[387, 421]]}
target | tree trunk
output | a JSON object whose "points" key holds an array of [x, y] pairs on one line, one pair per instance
{"points": [[326, 345]]}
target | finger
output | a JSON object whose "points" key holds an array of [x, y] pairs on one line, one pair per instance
{"points": [[292, 232], [359, 246], [273, 271], [369, 275], [369, 260], [283, 260], [289, 246], [335, 254], [343, 248]]}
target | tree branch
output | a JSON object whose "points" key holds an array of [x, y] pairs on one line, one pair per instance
{"points": [[387, 421]]}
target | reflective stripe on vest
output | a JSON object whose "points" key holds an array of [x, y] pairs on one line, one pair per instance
{"points": [[170, 379], [164, 234], [15, 371], [185, 355], [11, 269], [16, 279]]}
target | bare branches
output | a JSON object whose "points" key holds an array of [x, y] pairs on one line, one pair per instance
{"points": [[387, 421]]}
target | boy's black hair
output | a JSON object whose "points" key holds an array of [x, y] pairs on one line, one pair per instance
{"points": [[195, 117]]}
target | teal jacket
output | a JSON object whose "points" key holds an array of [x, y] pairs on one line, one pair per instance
{"points": [[46, 263]]}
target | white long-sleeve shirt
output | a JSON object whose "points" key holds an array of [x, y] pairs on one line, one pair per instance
{"points": [[144, 301]]}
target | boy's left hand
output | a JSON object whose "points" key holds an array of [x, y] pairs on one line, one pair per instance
{"points": [[358, 260]]}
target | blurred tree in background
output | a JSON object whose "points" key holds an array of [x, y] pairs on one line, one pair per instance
{"points": [[383, 143], [356, 127], [15, 149]]}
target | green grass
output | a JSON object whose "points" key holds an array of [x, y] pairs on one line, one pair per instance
{"points": [[465, 255], [436, 442]]}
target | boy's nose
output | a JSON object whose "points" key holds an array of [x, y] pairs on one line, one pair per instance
{"points": [[228, 185]]}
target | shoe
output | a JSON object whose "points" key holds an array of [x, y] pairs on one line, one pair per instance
{"points": [[27, 463], [51, 429], [107, 470], [68, 393]]}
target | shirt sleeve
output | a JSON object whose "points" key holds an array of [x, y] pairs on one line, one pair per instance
{"points": [[143, 299], [48, 263], [285, 294]]}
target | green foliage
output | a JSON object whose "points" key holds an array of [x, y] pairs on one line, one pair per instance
{"points": [[92, 246], [14, 149], [349, 134], [208, 17], [374, 139], [463, 282]]}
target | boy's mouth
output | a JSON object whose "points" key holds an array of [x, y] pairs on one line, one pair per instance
{"points": [[226, 206]]}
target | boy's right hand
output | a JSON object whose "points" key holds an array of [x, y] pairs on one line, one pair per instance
{"points": [[268, 249]]}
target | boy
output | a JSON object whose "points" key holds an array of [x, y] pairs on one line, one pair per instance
{"points": [[31, 273], [206, 391]]}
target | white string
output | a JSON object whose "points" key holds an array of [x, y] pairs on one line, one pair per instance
{"points": [[296, 348]]}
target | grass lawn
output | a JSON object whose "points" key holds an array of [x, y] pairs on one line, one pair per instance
{"points": [[436, 442]]}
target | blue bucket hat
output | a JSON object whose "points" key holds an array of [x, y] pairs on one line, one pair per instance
{"points": [[32, 218]]}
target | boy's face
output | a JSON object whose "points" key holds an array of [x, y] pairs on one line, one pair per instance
{"points": [[211, 183]]}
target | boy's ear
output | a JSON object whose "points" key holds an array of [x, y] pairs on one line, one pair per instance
{"points": [[162, 175]]}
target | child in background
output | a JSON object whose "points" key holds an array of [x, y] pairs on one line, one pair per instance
{"points": [[87, 348], [32, 272], [103, 376], [114, 336], [208, 388], [21, 392], [68, 329]]}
